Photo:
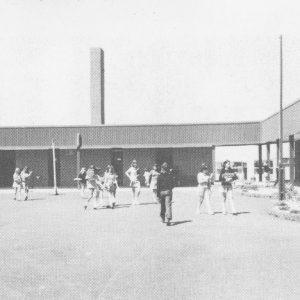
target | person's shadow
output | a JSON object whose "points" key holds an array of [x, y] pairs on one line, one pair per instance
{"points": [[242, 213], [180, 222], [236, 214]]}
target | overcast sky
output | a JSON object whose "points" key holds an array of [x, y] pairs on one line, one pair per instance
{"points": [[166, 61]]}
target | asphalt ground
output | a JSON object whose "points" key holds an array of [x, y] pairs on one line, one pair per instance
{"points": [[51, 248]]}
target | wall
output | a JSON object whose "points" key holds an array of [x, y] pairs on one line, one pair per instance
{"points": [[37, 161], [297, 162], [188, 162], [291, 124], [68, 164], [145, 159]]}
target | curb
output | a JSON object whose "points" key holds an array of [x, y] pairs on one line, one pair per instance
{"points": [[284, 214]]}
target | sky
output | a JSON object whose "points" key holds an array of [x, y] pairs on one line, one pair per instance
{"points": [[165, 61]]}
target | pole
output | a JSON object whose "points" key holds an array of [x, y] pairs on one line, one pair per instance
{"points": [[280, 169], [78, 164], [54, 169], [78, 147]]}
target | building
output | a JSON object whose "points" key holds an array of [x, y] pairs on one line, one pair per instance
{"points": [[184, 146]]}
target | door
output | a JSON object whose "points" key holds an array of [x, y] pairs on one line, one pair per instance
{"points": [[164, 155], [117, 162], [7, 167]]}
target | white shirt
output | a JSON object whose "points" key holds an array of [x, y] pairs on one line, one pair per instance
{"points": [[133, 174], [203, 178]]}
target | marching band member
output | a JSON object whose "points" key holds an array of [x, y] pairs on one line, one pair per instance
{"points": [[205, 180], [17, 184], [95, 186], [25, 174], [111, 185], [133, 174], [227, 177], [153, 182]]}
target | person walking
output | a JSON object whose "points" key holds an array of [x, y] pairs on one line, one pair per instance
{"points": [[94, 185], [165, 185], [153, 182], [147, 176], [227, 177], [17, 184], [25, 175], [133, 174], [111, 185], [82, 181], [205, 180]]}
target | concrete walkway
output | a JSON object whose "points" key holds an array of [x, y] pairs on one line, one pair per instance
{"points": [[52, 249]]}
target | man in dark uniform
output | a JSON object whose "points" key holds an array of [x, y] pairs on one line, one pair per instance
{"points": [[165, 185]]}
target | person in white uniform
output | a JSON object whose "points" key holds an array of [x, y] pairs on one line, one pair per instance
{"points": [[205, 180], [94, 184], [25, 175], [153, 182], [111, 185], [17, 184], [227, 178], [133, 174]]}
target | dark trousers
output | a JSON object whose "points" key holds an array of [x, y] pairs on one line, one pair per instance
{"points": [[165, 199]]}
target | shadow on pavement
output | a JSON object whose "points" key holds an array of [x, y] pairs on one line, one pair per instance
{"points": [[180, 222], [148, 203], [242, 213]]}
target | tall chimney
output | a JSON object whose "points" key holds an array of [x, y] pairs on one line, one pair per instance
{"points": [[97, 86]]}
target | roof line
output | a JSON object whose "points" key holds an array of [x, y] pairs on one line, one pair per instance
{"points": [[132, 125], [287, 107]]}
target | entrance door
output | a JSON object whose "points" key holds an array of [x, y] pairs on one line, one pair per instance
{"points": [[117, 162], [7, 167], [164, 155]]}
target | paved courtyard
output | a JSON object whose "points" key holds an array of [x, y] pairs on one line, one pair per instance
{"points": [[51, 248]]}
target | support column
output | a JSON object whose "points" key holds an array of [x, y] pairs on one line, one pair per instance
{"points": [[268, 153], [260, 166], [213, 160], [277, 160], [292, 158]]}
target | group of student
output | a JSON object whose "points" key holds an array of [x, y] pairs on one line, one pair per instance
{"points": [[91, 180], [205, 182], [20, 182], [160, 180]]}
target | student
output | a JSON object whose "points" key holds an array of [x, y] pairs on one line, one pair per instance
{"points": [[82, 181], [17, 184], [165, 185], [94, 185], [25, 174], [133, 174], [205, 180], [111, 185], [153, 182], [227, 177], [147, 177]]}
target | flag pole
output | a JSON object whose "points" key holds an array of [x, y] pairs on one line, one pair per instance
{"points": [[280, 167]]}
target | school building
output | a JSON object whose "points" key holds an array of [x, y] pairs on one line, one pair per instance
{"points": [[184, 146]]}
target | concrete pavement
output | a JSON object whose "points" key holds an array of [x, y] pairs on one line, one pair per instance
{"points": [[51, 249]]}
